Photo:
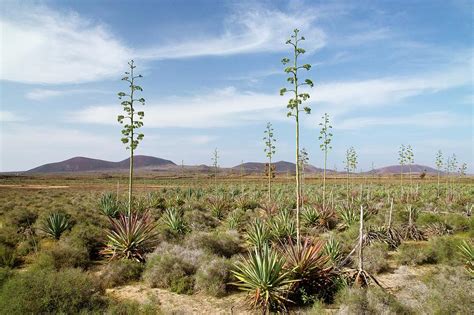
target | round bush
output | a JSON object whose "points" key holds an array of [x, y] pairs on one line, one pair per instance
{"points": [[121, 272], [48, 291], [213, 276]]}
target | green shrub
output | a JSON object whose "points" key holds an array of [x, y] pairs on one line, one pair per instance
{"points": [[223, 244], [213, 277], [375, 258], [8, 257], [450, 292], [414, 254], [444, 249], [87, 235], [62, 255], [172, 267], [9, 236], [5, 274], [367, 301], [121, 272], [22, 218], [459, 222], [48, 291], [426, 218], [132, 308]]}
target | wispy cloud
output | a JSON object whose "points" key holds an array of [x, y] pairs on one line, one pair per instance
{"points": [[429, 119], [44, 94], [52, 47], [7, 116], [46, 46], [230, 107], [247, 30]]}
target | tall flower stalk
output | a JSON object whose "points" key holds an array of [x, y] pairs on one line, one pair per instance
{"points": [[215, 163], [350, 166], [133, 121], [269, 140], [402, 160], [325, 136], [410, 159], [304, 161], [439, 165], [294, 106]]}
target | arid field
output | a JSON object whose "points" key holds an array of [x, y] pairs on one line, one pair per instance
{"points": [[202, 227]]}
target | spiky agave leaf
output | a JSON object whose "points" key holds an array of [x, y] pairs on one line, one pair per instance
{"points": [[130, 237], [262, 275], [109, 205], [55, 225], [348, 215], [332, 248], [282, 226], [308, 263], [307, 260], [310, 216], [258, 234], [467, 253], [174, 220]]}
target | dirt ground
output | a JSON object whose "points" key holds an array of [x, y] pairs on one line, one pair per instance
{"points": [[172, 303], [404, 282]]}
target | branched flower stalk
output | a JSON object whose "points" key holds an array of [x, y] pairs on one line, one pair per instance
{"points": [[462, 170], [402, 160], [303, 162], [410, 159], [439, 165], [215, 164], [325, 136], [350, 166], [269, 140], [294, 106], [133, 121], [453, 163]]}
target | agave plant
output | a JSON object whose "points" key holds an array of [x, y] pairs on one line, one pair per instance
{"points": [[258, 234], [467, 253], [218, 205], [263, 276], [233, 219], [308, 264], [327, 218], [307, 260], [332, 248], [55, 225], [130, 237], [269, 208], [282, 226], [348, 216], [109, 205], [174, 220], [310, 216]]}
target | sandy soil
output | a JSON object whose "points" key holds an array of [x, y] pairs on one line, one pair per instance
{"points": [[32, 186], [172, 303], [404, 282]]}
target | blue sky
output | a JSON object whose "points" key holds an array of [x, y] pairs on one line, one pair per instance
{"points": [[387, 72]]}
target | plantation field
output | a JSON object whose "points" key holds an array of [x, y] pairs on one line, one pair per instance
{"points": [[205, 230]]}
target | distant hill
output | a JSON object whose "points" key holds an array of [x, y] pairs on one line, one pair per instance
{"points": [[84, 164], [150, 163], [280, 167], [396, 169]]}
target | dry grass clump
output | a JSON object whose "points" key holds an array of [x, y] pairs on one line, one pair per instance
{"points": [[371, 300], [213, 276], [120, 272]]}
